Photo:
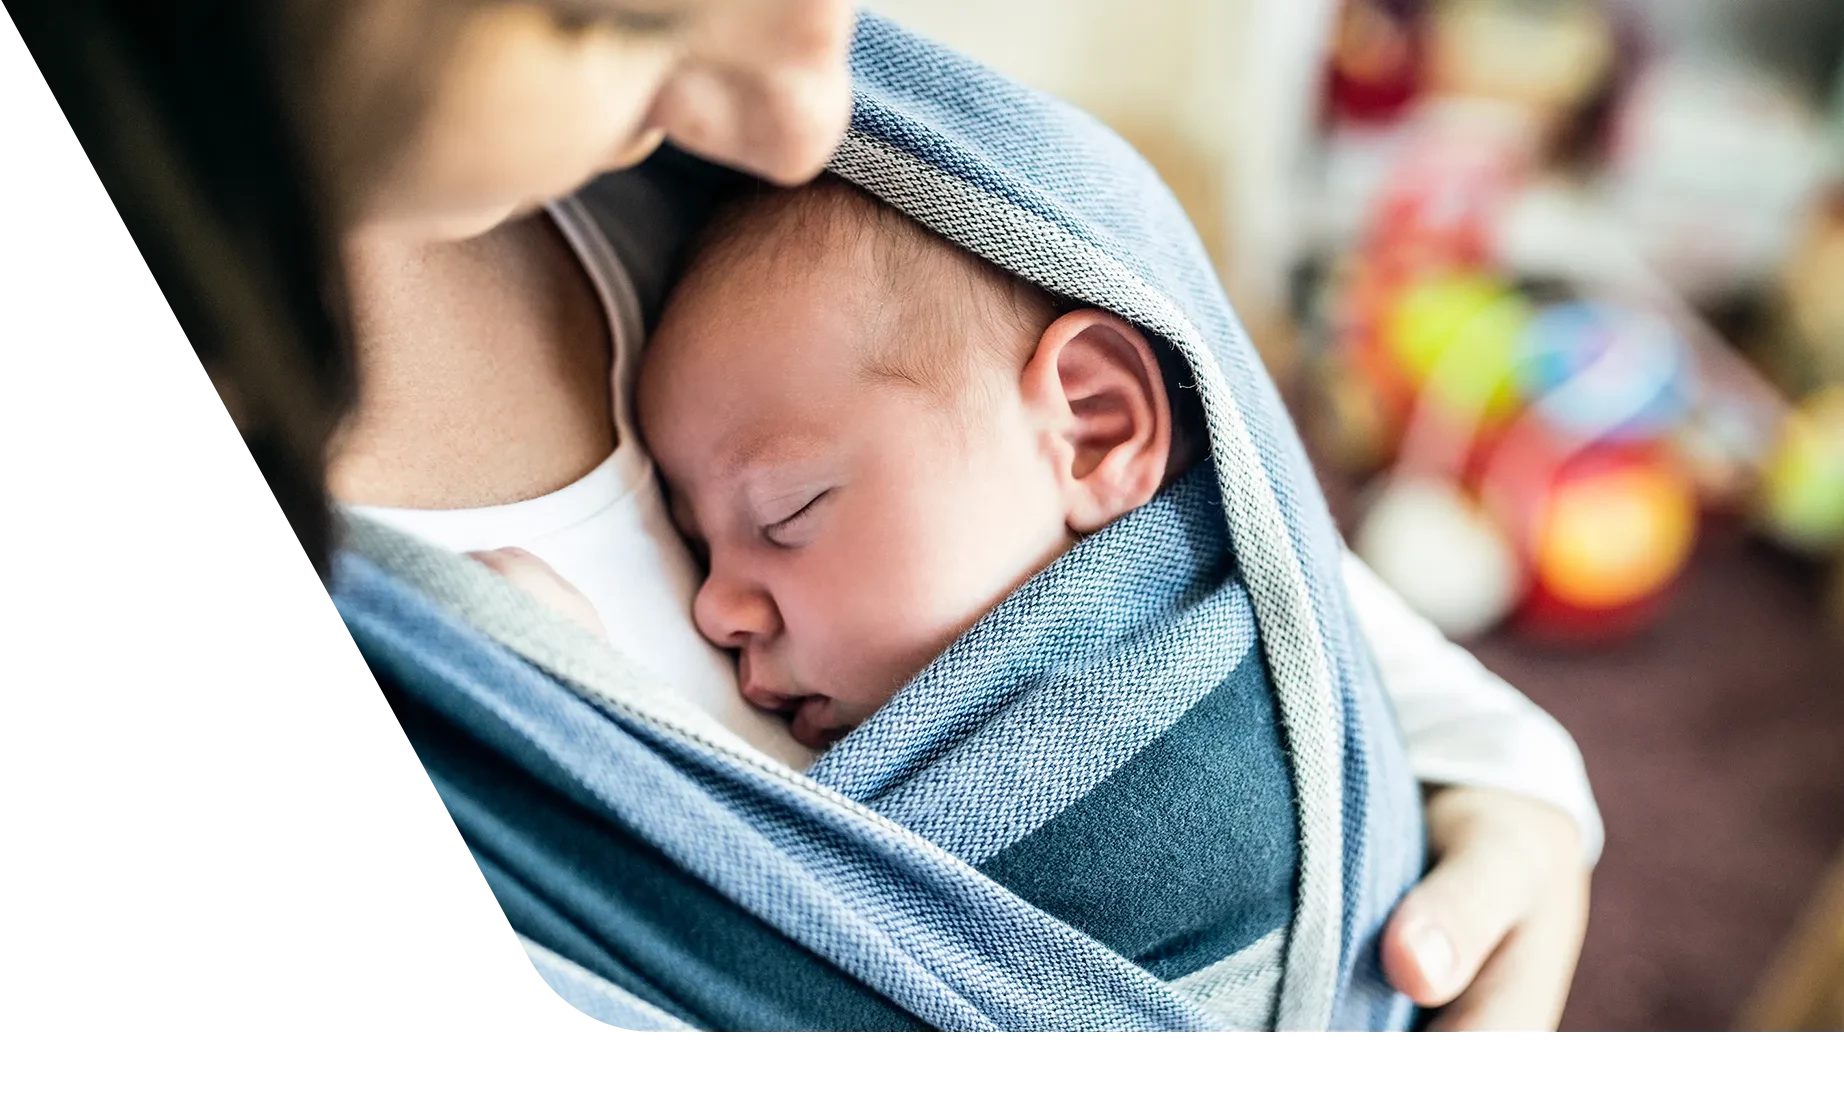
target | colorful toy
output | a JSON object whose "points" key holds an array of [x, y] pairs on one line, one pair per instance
{"points": [[1458, 340], [1611, 533], [1551, 462], [1364, 297], [1433, 219], [1603, 372], [1442, 201], [1802, 494], [1448, 559], [1534, 477]]}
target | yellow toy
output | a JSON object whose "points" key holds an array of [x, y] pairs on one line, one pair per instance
{"points": [[1802, 490], [1458, 339]]}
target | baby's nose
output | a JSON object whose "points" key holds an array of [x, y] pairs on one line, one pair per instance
{"points": [[731, 614]]}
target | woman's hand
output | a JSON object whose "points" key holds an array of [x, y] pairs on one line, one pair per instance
{"points": [[539, 580], [1493, 931]]}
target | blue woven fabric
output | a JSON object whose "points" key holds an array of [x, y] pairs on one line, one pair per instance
{"points": [[1061, 684], [931, 935], [1044, 745], [725, 893], [1045, 191]]}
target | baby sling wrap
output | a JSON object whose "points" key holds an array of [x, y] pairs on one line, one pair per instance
{"points": [[949, 866]]}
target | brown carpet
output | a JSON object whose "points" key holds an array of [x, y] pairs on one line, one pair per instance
{"points": [[1715, 744]]}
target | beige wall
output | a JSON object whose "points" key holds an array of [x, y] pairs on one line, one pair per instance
{"points": [[1208, 90], [1152, 70]]}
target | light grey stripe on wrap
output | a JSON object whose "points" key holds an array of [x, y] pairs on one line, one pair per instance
{"points": [[1243, 989], [1048, 255], [597, 998], [1011, 771]]}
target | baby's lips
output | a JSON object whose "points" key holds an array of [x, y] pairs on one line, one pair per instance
{"points": [[763, 700], [810, 727], [755, 694]]}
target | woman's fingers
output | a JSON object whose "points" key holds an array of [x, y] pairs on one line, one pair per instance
{"points": [[539, 580], [1450, 923], [1502, 865], [1525, 983], [506, 561]]}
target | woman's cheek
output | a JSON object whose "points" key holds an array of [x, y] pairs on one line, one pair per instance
{"points": [[523, 115]]}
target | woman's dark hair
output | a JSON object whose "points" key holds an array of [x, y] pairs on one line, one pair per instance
{"points": [[183, 108]]}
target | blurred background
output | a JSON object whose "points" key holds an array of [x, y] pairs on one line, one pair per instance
{"points": [[1556, 290]]}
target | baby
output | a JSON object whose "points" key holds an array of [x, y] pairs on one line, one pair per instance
{"points": [[873, 439]]}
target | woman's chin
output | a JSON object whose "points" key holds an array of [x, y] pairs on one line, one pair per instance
{"points": [[448, 227], [467, 225]]}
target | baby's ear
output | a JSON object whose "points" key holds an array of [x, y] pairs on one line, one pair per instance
{"points": [[1095, 385]]}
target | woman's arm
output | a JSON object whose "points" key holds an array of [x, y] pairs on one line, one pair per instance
{"points": [[1463, 725], [1493, 931]]}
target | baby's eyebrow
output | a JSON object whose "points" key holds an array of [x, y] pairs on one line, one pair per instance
{"points": [[753, 451], [771, 452]]}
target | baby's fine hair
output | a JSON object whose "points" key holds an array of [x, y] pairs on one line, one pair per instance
{"points": [[935, 306]]}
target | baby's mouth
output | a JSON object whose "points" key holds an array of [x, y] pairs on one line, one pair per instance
{"points": [[811, 723], [810, 718]]}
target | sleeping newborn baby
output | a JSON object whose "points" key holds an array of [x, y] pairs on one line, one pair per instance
{"points": [[871, 437], [966, 539]]}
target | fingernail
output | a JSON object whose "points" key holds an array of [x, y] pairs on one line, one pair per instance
{"points": [[1433, 952]]}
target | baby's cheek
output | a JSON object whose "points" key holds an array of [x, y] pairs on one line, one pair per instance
{"points": [[934, 540], [880, 617]]}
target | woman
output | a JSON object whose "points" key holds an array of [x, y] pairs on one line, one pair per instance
{"points": [[278, 163]]}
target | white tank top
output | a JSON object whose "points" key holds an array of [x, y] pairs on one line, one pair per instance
{"points": [[609, 533]]}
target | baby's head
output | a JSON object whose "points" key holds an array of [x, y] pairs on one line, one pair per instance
{"points": [[872, 437]]}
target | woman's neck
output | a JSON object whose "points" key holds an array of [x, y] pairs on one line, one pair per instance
{"points": [[483, 371]]}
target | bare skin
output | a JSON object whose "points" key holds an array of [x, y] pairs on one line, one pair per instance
{"points": [[1493, 931], [485, 371]]}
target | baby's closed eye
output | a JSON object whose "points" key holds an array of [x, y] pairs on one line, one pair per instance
{"points": [[797, 528]]}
